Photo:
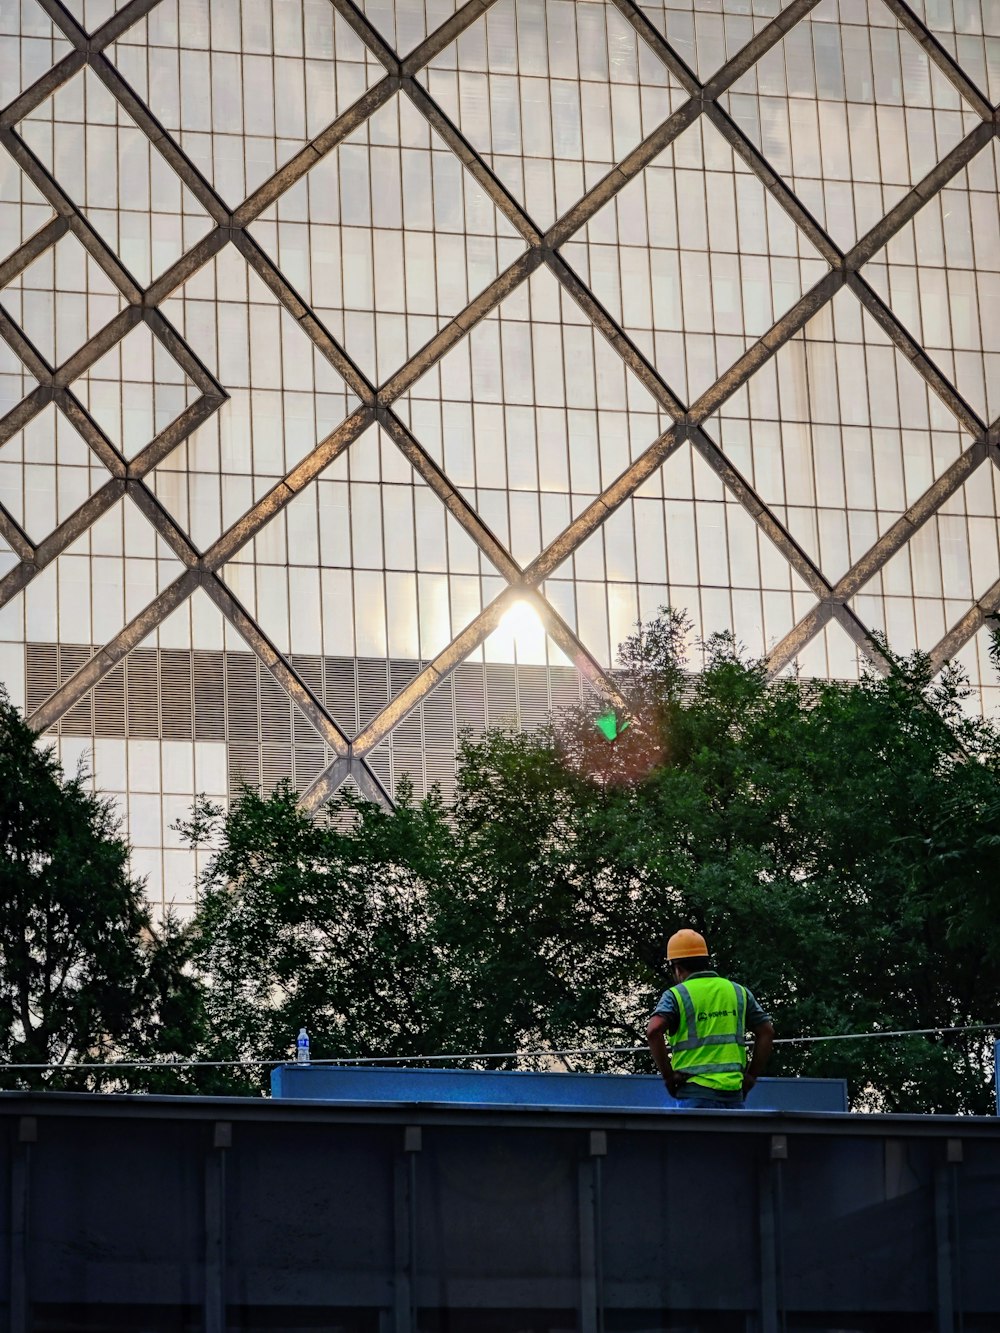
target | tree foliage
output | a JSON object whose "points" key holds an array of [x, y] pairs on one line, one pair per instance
{"points": [[84, 977], [837, 842]]}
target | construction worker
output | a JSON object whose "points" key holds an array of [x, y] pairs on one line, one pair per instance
{"points": [[707, 1018]]}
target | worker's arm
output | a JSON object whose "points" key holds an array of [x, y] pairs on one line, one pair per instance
{"points": [[762, 1046], [655, 1029]]}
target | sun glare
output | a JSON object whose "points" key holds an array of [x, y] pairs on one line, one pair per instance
{"points": [[523, 632]]}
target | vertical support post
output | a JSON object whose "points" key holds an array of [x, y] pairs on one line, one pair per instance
{"points": [[996, 1072], [405, 1188], [20, 1192], [770, 1235], [589, 1209], [215, 1228], [945, 1225]]}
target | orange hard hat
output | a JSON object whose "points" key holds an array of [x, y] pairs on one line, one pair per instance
{"points": [[686, 944]]}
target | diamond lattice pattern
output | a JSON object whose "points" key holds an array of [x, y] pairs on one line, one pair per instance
{"points": [[345, 323]]}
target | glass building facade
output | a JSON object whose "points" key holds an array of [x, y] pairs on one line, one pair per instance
{"points": [[367, 370]]}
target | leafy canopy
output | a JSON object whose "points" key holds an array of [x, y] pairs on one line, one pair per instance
{"points": [[836, 842], [84, 977]]}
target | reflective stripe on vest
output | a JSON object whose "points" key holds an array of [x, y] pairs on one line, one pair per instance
{"points": [[710, 1043]]}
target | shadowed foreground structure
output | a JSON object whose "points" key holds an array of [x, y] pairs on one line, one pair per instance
{"points": [[189, 1214]]}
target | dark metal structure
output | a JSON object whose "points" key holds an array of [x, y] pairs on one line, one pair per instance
{"points": [[151, 1214]]}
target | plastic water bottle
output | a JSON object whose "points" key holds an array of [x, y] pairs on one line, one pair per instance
{"points": [[302, 1047]]}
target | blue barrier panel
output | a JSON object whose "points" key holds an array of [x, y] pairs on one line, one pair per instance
{"points": [[474, 1087]]}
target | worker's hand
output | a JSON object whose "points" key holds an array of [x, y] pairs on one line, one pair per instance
{"points": [[674, 1081], [748, 1081]]}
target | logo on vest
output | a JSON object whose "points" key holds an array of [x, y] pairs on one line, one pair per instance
{"points": [[704, 1014]]}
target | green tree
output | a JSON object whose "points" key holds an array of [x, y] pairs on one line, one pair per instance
{"points": [[421, 931], [300, 923], [822, 836], [84, 976], [835, 841]]}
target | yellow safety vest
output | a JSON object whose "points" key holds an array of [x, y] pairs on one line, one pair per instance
{"points": [[710, 1045]]}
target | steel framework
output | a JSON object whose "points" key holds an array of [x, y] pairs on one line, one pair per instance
{"points": [[214, 1213], [201, 568]]}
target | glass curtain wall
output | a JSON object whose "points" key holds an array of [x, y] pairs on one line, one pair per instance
{"points": [[367, 370]]}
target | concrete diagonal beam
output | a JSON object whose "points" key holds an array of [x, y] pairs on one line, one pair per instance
{"points": [[329, 782], [306, 158], [26, 351], [862, 637], [751, 156], [380, 726], [456, 329], [504, 202], [982, 611], [779, 536], [736, 484], [985, 608], [286, 676], [284, 491], [643, 369], [120, 22], [182, 426], [399, 74], [966, 415], [891, 541], [573, 648], [593, 516], [19, 542], [798, 637], [77, 223], [44, 86], [422, 684], [897, 536], [242, 621], [289, 299], [15, 264], [84, 680], [112, 653], [941, 57], [192, 365], [811, 624], [61, 537], [655, 39], [25, 412], [449, 495], [780, 333], [53, 389], [443, 664]]}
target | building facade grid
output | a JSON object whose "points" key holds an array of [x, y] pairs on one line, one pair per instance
{"points": [[332, 337]]}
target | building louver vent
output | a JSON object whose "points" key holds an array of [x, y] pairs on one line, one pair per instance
{"points": [[231, 697]]}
